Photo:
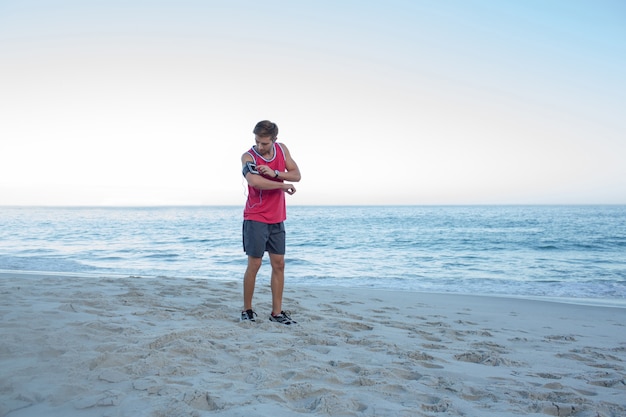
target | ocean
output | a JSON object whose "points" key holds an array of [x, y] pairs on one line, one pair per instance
{"points": [[563, 253]]}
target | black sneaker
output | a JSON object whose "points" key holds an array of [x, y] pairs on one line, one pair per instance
{"points": [[282, 318], [248, 315]]}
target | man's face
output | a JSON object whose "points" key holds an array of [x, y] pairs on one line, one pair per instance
{"points": [[263, 144]]}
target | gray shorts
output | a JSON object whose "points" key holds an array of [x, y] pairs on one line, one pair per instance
{"points": [[260, 237]]}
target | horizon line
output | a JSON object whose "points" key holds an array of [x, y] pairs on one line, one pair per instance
{"points": [[303, 205]]}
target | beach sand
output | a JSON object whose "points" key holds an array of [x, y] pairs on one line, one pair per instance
{"points": [[85, 346]]}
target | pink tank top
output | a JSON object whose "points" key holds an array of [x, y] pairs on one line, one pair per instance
{"points": [[267, 206]]}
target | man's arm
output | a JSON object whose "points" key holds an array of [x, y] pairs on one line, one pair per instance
{"points": [[260, 182], [293, 172]]}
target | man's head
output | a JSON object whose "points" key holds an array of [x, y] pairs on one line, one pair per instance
{"points": [[265, 129]]}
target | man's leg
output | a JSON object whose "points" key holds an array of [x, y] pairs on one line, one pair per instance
{"points": [[278, 281], [249, 280]]}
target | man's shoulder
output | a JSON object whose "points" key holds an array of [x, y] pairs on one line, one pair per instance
{"points": [[247, 156], [282, 146]]}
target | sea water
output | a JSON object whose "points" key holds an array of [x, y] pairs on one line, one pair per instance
{"points": [[561, 252]]}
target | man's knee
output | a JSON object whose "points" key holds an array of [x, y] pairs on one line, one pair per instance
{"points": [[278, 262], [254, 263]]}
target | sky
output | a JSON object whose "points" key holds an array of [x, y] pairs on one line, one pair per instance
{"points": [[153, 102]]}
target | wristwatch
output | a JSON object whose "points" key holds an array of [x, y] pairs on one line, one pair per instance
{"points": [[276, 172]]}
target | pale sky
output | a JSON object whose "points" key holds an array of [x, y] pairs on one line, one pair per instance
{"points": [[149, 102]]}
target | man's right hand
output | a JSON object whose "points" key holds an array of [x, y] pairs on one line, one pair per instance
{"points": [[289, 188]]}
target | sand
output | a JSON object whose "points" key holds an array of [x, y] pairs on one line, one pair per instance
{"points": [[86, 346]]}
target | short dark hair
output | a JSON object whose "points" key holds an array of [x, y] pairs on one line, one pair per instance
{"points": [[266, 128]]}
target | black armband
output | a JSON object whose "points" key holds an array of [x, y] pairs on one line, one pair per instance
{"points": [[249, 167]]}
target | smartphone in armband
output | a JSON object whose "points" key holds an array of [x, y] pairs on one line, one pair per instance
{"points": [[252, 167]]}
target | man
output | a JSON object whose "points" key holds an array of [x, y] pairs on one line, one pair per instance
{"points": [[266, 167]]}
